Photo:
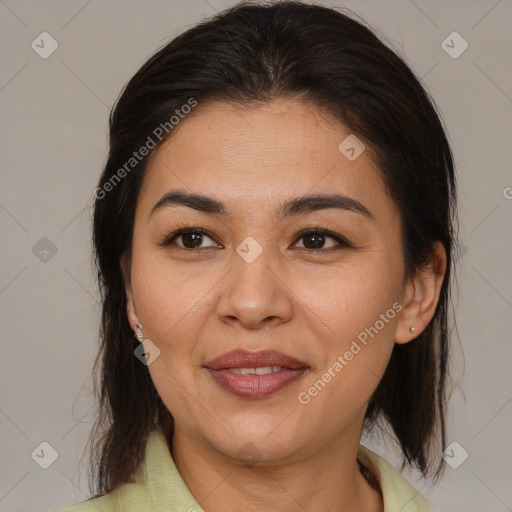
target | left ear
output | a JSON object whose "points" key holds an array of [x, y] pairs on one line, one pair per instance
{"points": [[421, 296]]}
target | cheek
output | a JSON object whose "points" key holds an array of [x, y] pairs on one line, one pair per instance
{"points": [[170, 297], [171, 306], [355, 355], [172, 311], [355, 312], [353, 298]]}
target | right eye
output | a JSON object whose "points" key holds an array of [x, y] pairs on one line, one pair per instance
{"points": [[191, 239]]}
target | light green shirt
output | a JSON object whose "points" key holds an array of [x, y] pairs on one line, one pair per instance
{"points": [[163, 489]]}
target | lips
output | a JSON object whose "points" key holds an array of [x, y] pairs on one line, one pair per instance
{"points": [[245, 359], [271, 372]]}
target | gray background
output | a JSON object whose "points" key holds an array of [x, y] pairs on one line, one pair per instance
{"points": [[54, 143]]}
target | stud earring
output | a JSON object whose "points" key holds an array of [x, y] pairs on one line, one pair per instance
{"points": [[138, 335], [412, 329]]}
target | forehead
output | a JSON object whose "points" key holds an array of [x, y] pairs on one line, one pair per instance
{"points": [[262, 154]]}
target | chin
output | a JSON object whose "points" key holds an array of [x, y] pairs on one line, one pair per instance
{"points": [[253, 439]]}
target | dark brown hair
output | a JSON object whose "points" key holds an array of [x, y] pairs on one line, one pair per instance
{"points": [[251, 53]]}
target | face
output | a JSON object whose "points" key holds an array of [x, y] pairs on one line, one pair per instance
{"points": [[253, 281]]}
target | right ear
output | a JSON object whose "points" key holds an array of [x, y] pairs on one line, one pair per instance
{"points": [[131, 310]]}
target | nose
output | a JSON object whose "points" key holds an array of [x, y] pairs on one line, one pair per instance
{"points": [[255, 294]]}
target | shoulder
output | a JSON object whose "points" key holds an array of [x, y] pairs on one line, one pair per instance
{"points": [[103, 503], [397, 492], [128, 497], [131, 496]]}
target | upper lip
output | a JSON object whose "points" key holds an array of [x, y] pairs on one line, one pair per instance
{"points": [[246, 359]]}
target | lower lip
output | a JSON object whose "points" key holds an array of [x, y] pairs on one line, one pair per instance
{"points": [[255, 386]]}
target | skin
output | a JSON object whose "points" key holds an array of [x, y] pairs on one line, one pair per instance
{"points": [[195, 306]]}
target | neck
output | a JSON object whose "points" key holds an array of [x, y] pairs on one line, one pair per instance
{"points": [[326, 480]]}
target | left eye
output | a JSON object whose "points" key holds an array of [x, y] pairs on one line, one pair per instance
{"points": [[317, 237]]}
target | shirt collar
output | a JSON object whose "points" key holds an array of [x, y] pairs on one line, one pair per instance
{"points": [[398, 494], [167, 488]]}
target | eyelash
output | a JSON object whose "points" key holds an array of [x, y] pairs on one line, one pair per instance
{"points": [[342, 241]]}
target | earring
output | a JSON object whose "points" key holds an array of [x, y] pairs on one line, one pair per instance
{"points": [[412, 329], [138, 335]]}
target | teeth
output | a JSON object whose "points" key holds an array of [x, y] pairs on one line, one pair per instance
{"points": [[261, 370]]}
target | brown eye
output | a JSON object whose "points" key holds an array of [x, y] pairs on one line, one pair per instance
{"points": [[191, 239], [315, 239]]}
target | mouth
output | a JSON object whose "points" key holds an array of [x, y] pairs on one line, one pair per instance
{"points": [[255, 374]]}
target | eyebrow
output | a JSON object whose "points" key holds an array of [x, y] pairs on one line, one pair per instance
{"points": [[295, 206]]}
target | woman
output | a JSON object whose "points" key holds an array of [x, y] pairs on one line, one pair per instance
{"points": [[276, 225]]}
